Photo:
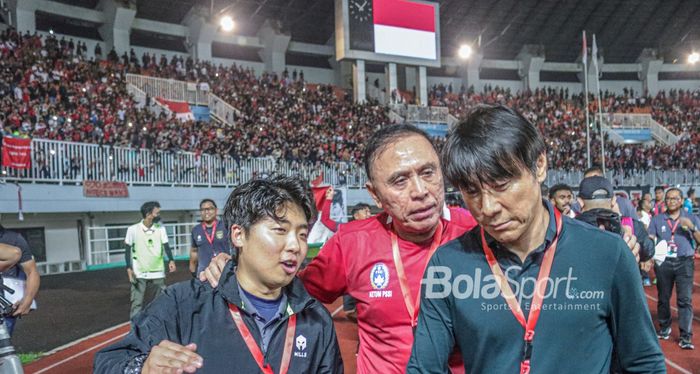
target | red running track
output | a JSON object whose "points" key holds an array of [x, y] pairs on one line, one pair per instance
{"points": [[78, 356]]}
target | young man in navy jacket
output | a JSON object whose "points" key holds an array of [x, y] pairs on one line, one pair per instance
{"points": [[258, 319]]}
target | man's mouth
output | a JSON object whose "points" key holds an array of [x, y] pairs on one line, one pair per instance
{"points": [[290, 266]]}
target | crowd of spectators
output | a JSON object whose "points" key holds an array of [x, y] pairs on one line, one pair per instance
{"points": [[51, 89], [560, 116]]}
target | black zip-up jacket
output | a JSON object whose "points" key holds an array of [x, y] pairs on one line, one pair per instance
{"points": [[193, 312]]}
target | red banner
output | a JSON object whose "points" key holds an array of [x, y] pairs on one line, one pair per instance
{"points": [[16, 153], [105, 189]]}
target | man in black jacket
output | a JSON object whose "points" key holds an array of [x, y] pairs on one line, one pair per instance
{"points": [[599, 207], [259, 318]]}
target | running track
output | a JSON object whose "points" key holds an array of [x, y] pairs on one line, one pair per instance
{"points": [[77, 357]]}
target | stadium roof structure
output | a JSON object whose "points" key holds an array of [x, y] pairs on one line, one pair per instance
{"points": [[623, 27]]}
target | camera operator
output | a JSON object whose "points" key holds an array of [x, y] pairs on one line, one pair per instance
{"points": [[599, 208], [25, 270]]}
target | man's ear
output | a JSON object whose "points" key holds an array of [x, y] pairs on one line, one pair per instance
{"points": [[580, 202], [237, 235], [541, 167], [373, 194]]}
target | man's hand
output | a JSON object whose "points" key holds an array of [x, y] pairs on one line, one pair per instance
{"points": [[22, 307], [686, 223], [130, 273], [631, 241], [169, 357], [212, 273], [171, 266]]}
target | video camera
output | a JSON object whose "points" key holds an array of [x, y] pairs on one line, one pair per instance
{"points": [[9, 362]]}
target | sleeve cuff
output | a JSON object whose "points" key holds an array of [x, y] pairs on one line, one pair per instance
{"points": [[135, 365]]}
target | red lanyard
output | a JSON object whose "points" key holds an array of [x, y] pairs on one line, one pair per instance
{"points": [[253, 345], [540, 290], [673, 228], [412, 306], [210, 239]]}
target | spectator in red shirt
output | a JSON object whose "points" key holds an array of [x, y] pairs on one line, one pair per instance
{"points": [[380, 261]]}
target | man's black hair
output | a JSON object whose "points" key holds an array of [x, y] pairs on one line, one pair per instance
{"points": [[148, 207], [558, 187], [691, 191], [258, 199], [207, 200], [385, 136], [594, 169], [659, 188], [674, 189], [358, 208], [492, 145]]}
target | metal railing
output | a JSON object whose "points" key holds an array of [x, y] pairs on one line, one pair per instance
{"points": [[67, 162], [630, 178], [105, 244], [422, 114], [170, 89], [222, 110], [642, 121], [140, 98]]}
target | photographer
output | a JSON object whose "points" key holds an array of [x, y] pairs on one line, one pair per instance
{"points": [[24, 270], [599, 208]]}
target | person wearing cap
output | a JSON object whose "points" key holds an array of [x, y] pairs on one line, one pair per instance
{"points": [[598, 203], [625, 206], [678, 229], [528, 289]]}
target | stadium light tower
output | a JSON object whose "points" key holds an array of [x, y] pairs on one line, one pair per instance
{"points": [[226, 23], [693, 58], [465, 51]]}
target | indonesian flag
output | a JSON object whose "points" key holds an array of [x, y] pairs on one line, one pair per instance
{"points": [[404, 28], [181, 109], [319, 232]]}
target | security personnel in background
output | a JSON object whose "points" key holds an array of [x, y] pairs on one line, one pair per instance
{"points": [[208, 238], [146, 241], [678, 229]]}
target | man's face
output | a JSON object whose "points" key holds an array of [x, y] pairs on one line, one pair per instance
{"points": [[506, 209], [562, 201], [659, 195], [406, 181], [208, 211], [673, 201], [647, 197], [272, 252], [362, 214], [154, 213]]}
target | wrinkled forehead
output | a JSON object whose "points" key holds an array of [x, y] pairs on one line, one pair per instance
{"points": [[408, 150]]}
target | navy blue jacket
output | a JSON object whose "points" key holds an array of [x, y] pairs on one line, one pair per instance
{"points": [[193, 312]]}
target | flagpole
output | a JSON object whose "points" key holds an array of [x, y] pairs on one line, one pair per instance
{"points": [[585, 93], [600, 106]]}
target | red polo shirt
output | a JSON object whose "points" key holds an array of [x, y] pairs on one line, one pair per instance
{"points": [[351, 261]]}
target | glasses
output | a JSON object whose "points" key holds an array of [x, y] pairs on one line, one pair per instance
{"points": [[673, 199], [207, 209]]}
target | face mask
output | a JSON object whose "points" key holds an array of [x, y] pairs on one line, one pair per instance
{"points": [[156, 219]]}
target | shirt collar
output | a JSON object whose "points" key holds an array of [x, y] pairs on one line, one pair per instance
{"points": [[249, 307], [549, 236], [144, 228]]}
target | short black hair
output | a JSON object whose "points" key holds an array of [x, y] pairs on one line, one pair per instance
{"points": [[207, 200], [659, 188], [691, 191], [674, 189], [494, 143], [383, 137], [148, 207], [258, 199], [558, 187], [594, 169], [358, 208]]}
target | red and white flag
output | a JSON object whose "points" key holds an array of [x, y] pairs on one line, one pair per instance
{"points": [[404, 28], [16, 153], [182, 110]]}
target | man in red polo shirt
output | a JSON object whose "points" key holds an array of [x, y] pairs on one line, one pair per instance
{"points": [[380, 261]]}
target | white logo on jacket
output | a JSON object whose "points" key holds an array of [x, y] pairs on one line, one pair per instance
{"points": [[301, 345], [379, 280]]}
